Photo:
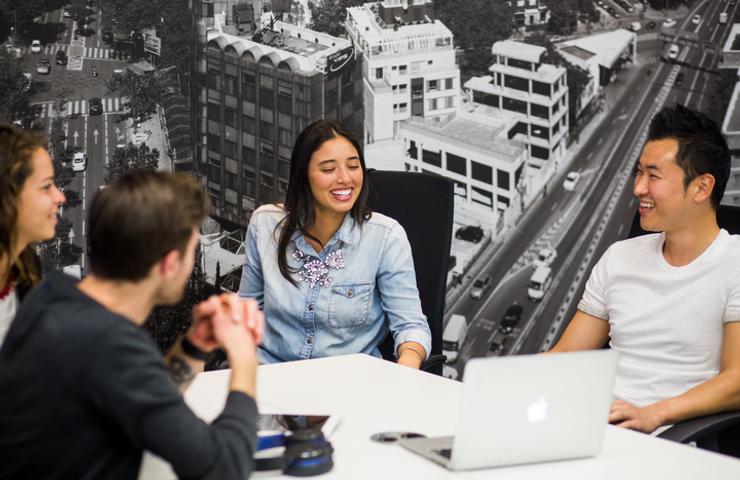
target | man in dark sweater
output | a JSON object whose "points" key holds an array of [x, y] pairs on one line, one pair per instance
{"points": [[84, 390]]}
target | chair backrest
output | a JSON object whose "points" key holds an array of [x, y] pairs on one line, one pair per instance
{"points": [[728, 217], [423, 204]]}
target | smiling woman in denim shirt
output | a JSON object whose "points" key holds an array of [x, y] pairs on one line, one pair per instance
{"points": [[331, 277]]}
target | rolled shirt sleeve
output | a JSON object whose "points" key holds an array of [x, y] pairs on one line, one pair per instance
{"points": [[399, 294], [252, 281]]}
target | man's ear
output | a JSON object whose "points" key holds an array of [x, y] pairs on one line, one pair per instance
{"points": [[170, 264], [704, 185]]}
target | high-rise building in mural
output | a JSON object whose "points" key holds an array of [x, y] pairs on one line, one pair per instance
{"points": [[523, 87], [253, 93], [409, 64]]}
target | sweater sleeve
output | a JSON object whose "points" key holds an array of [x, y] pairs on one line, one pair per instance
{"points": [[130, 386]]}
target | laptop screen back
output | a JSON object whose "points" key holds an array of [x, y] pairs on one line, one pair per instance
{"points": [[533, 408]]}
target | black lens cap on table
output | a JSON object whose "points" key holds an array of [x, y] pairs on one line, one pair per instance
{"points": [[307, 453]]}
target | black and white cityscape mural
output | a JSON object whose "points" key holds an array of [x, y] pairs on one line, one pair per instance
{"points": [[536, 109]]}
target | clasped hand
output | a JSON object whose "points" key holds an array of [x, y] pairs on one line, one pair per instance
{"points": [[226, 321]]}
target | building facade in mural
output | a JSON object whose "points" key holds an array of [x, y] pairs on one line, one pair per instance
{"points": [[254, 92], [524, 87], [409, 64]]}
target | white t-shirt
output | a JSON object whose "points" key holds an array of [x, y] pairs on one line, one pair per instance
{"points": [[8, 306], [666, 322]]}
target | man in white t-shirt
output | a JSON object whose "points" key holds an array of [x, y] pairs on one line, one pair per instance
{"points": [[669, 302]]}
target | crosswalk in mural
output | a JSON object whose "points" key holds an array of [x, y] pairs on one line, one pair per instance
{"points": [[80, 107], [89, 52]]}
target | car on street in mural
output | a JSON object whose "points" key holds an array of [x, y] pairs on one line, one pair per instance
{"points": [[650, 25], [480, 286], [679, 79], [66, 11], [673, 52], [453, 336], [79, 162], [571, 180], [512, 315], [96, 106], [449, 372], [668, 23], [626, 6], [471, 233], [539, 283], [499, 345], [43, 66], [61, 57], [35, 46], [545, 256], [696, 19]]}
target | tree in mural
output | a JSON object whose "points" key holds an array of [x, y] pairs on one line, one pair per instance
{"points": [[14, 95], [17, 14], [167, 323], [563, 18], [476, 25], [328, 15], [131, 158], [60, 251], [143, 92], [297, 13]]}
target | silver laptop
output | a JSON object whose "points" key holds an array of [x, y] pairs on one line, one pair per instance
{"points": [[527, 408]]}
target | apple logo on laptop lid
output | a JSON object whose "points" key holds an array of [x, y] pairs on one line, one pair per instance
{"points": [[537, 410]]}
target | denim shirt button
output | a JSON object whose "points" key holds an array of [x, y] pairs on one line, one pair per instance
{"points": [[309, 340], [349, 293], [310, 307]]}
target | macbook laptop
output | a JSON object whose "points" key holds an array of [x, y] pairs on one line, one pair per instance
{"points": [[525, 409]]}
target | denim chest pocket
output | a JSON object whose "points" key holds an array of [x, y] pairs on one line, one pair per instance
{"points": [[350, 304]]}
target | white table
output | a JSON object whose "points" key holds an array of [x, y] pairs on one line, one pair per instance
{"points": [[373, 395]]}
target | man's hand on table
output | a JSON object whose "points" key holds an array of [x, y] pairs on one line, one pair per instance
{"points": [[643, 419]]}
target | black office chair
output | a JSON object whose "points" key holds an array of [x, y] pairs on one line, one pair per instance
{"points": [[719, 432], [423, 204]]}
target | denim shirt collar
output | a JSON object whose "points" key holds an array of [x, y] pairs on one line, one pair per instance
{"points": [[346, 235]]}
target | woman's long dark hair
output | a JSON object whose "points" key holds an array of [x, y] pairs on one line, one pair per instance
{"points": [[299, 201], [16, 152]]}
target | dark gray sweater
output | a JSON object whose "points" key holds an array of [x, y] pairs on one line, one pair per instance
{"points": [[84, 391]]}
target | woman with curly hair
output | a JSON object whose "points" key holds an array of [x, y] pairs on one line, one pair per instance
{"points": [[29, 202]]}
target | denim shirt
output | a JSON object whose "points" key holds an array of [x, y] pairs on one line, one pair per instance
{"points": [[368, 288]]}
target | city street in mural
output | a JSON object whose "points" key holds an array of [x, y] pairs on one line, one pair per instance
{"points": [[539, 120]]}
